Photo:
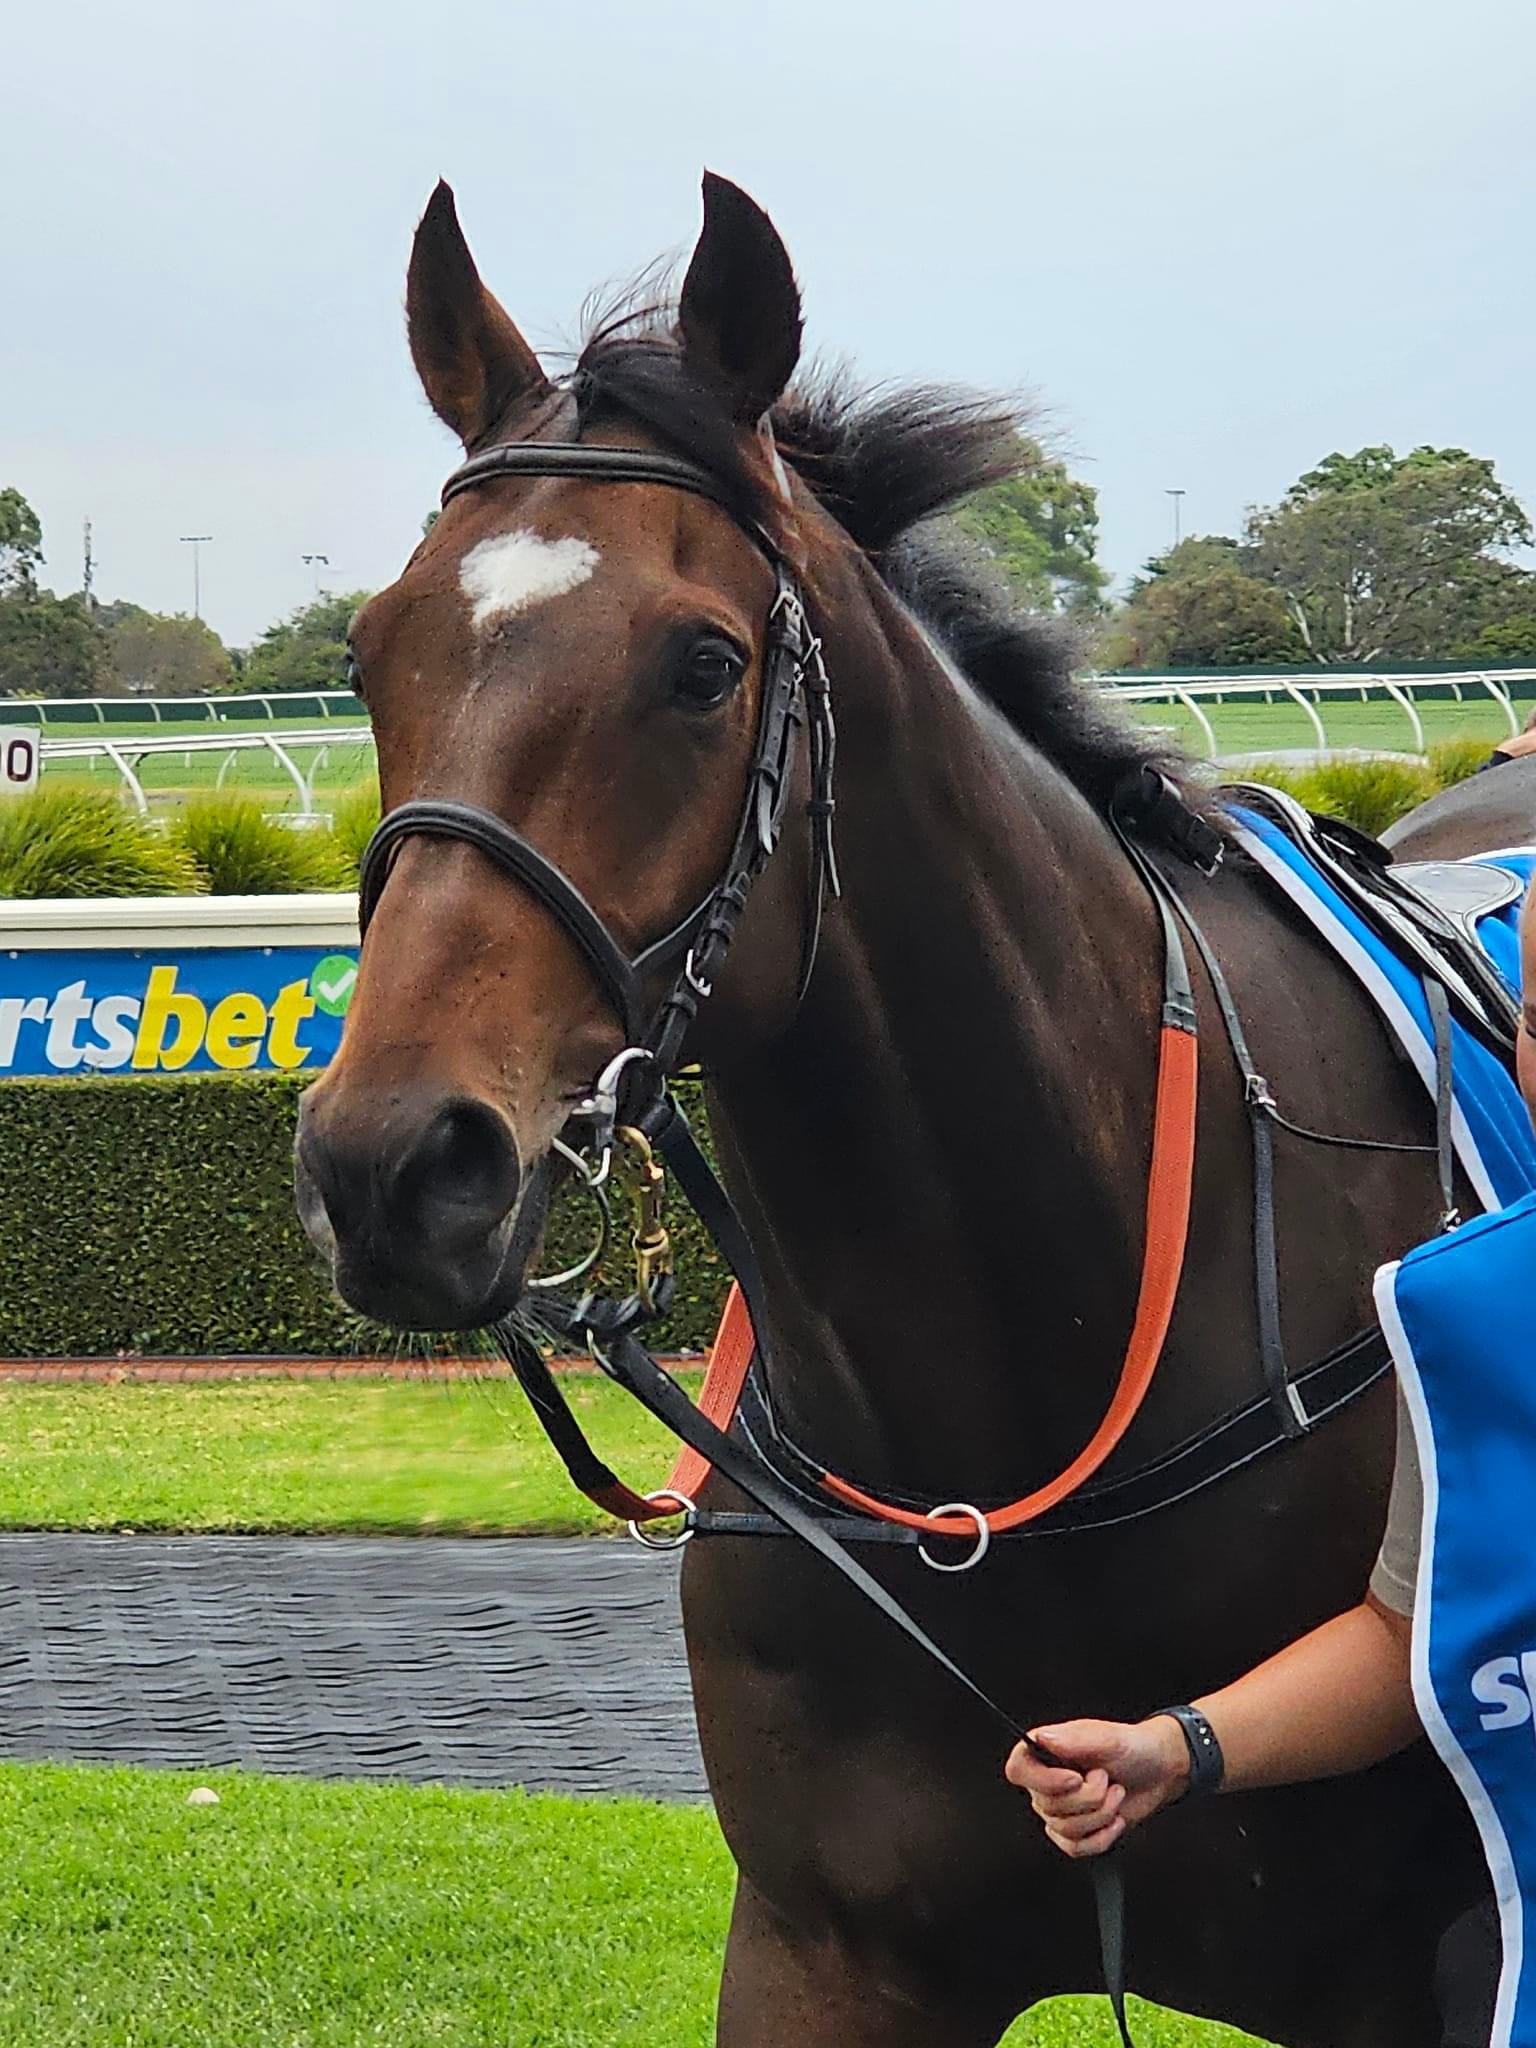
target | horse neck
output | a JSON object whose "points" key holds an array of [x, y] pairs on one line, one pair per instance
{"points": [[944, 1160]]}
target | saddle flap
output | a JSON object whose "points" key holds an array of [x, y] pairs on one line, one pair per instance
{"points": [[1465, 891]]}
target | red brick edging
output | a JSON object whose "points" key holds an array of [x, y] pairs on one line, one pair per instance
{"points": [[209, 1371]]}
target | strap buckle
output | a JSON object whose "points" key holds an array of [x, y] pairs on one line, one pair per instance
{"points": [[1257, 1093]]}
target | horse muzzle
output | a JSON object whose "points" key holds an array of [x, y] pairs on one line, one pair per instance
{"points": [[423, 1210]]}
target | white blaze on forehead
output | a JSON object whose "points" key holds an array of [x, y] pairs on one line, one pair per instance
{"points": [[513, 570]]}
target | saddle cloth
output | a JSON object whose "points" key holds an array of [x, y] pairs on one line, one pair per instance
{"points": [[1354, 903]]}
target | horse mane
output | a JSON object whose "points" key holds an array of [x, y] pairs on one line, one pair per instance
{"points": [[886, 463]]}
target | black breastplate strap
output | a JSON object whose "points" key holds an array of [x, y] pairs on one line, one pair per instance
{"points": [[794, 693]]}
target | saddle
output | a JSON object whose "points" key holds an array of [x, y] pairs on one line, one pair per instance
{"points": [[1426, 912]]}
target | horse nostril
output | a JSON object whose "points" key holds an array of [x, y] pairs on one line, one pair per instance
{"points": [[465, 1161]]}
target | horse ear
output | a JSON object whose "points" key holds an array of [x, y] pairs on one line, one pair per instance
{"points": [[470, 358], [739, 315]]}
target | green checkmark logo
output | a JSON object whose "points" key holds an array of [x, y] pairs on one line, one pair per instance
{"points": [[332, 983]]}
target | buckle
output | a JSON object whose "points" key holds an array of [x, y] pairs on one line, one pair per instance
{"points": [[1256, 1092]]}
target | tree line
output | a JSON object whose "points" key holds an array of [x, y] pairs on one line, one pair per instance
{"points": [[1373, 557], [73, 646], [1370, 558]]}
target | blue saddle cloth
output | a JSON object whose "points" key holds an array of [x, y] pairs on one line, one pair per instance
{"points": [[1493, 1135]]}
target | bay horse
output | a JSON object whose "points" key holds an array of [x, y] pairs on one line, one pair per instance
{"points": [[940, 1148]]}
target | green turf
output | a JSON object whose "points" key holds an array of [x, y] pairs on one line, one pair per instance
{"points": [[295, 1915], [376, 1455]]}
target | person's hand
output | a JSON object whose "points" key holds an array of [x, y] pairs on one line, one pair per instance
{"points": [[1108, 1775]]}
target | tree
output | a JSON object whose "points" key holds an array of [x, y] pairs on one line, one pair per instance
{"points": [[1210, 615], [21, 544], [1041, 528], [51, 647], [1513, 639], [1375, 553], [305, 651], [153, 655], [1191, 556]]}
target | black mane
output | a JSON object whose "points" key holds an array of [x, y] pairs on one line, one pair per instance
{"points": [[886, 464]]}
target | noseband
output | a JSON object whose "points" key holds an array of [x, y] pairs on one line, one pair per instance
{"points": [[795, 691]]}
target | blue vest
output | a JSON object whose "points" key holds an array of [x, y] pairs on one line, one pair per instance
{"points": [[1460, 1314]]}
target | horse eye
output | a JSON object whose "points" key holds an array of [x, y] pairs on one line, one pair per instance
{"points": [[709, 675], [352, 674]]}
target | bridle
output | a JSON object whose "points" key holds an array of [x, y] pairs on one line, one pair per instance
{"points": [[795, 691]]}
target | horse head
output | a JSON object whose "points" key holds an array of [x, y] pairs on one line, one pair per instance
{"points": [[583, 660]]}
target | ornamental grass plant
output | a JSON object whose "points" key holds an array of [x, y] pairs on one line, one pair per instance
{"points": [[1371, 795], [354, 819], [1453, 761], [239, 851], [1368, 794], [69, 841]]}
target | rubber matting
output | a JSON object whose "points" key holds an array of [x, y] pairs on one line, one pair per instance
{"points": [[555, 1664]]}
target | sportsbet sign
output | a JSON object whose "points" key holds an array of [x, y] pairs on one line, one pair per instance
{"points": [[175, 985]]}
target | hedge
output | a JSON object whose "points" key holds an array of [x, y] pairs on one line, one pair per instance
{"points": [[156, 1215]]}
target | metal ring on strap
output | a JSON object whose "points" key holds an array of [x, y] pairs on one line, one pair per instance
{"points": [[983, 1537], [684, 1506], [592, 1180]]}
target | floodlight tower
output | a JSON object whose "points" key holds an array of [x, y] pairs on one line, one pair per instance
{"points": [[195, 542]]}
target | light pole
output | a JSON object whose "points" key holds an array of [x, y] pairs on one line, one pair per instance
{"points": [[195, 542], [1177, 497], [313, 562]]}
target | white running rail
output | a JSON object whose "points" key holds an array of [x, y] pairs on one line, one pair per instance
{"points": [[1313, 691], [128, 754]]}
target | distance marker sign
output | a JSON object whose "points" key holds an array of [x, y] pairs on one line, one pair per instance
{"points": [[20, 759]]}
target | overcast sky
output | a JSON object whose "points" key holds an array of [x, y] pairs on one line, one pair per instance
{"points": [[1218, 237]]}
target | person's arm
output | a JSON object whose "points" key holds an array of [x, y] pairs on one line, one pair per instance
{"points": [[1335, 1701], [1518, 744]]}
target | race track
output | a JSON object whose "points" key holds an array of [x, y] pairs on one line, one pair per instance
{"points": [[551, 1663]]}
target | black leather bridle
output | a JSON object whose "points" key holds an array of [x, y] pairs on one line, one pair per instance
{"points": [[795, 691]]}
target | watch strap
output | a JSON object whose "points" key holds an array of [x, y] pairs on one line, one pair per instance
{"points": [[1207, 1765]]}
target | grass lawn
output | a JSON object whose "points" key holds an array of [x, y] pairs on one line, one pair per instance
{"points": [[462, 1455], [295, 1915]]}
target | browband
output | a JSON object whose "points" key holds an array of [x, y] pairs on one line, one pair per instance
{"points": [[607, 465]]}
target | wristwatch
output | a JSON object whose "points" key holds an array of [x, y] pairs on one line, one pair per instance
{"points": [[1207, 1765]]}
